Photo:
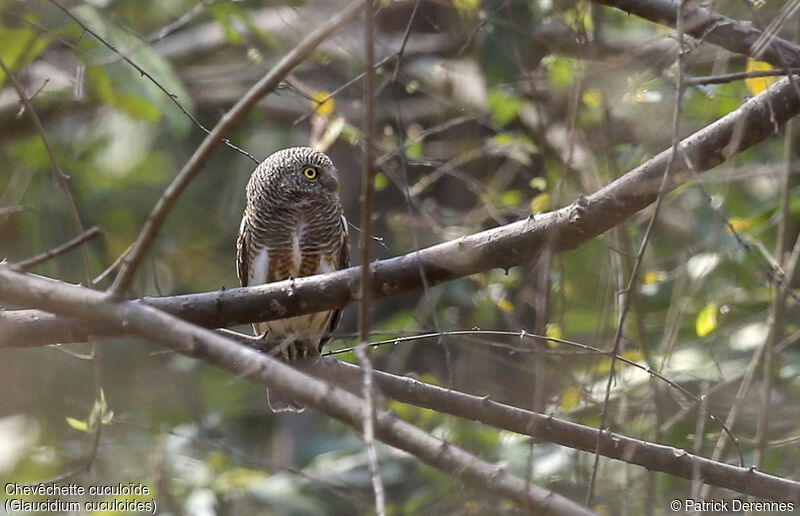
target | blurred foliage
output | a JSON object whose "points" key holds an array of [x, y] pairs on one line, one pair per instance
{"points": [[508, 109]]}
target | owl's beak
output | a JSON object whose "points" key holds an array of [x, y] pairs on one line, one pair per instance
{"points": [[330, 182]]}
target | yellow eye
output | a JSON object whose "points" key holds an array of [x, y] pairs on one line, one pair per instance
{"points": [[310, 172]]}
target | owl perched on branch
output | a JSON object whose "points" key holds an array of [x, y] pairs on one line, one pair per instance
{"points": [[293, 226]]}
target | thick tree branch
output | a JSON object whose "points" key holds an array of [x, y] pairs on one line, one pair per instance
{"points": [[654, 457], [504, 246], [715, 28], [334, 401]]}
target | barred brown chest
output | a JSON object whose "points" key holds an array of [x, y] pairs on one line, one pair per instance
{"points": [[293, 226], [297, 249]]}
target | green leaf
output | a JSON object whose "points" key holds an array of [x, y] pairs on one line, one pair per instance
{"points": [[570, 399], [223, 14], [553, 330], [560, 73], [18, 47], [414, 151], [138, 107], [381, 181], [351, 134], [540, 203], [707, 320], [511, 198], [504, 107]]}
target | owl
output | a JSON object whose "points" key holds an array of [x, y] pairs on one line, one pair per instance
{"points": [[293, 226]]}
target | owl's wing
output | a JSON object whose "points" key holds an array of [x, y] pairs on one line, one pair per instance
{"points": [[342, 263], [242, 251]]}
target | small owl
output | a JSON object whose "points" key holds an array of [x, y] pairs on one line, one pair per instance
{"points": [[293, 226]]}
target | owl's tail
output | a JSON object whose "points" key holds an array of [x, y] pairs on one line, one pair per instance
{"points": [[280, 402]]}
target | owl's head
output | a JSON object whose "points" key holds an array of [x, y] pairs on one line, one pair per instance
{"points": [[295, 174]]}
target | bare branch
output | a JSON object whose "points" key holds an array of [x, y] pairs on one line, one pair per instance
{"points": [[30, 263], [712, 27], [654, 457], [6, 211], [736, 76], [334, 401], [364, 306]]}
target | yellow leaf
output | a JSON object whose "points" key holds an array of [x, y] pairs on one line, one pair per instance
{"points": [[77, 424], [739, 224], [505, 305], [651, 277], [540, 203], [601, 510], [634, 355], [758, 84], [322, 103], [571, 398], [593, 97], [553, 330], [706, 320]]}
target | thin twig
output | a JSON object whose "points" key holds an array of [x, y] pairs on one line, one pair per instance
{"points": [[406, 33], [161, 33], [626, 294], [771, 30], [367, 201], [44, 30], [34, 261], [543, 338], [6, 211], [736, 76], [779, 295], [411, 203], [100, 277], [31, 97]]}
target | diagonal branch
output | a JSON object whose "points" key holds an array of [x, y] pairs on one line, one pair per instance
{"points": [[709, 26], [267, 84], [35, 261], [334, 401], [505, 246], [655, 457]]}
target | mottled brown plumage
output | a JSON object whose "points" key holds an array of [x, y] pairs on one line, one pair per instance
{"points": [[293, 226]]}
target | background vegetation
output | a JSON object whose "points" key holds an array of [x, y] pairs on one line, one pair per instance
{"points": [[503, 109]]}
